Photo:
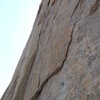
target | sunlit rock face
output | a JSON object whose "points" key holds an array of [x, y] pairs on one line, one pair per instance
{"points": [[61, 60]]}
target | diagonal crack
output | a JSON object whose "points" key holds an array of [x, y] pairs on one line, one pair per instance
{"points": [[56, 71], [39, 36], [79, 2], [94, 7], [39, 90], [31, 62]]}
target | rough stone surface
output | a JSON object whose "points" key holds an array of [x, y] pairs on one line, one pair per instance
{"points": [[61, 60]]}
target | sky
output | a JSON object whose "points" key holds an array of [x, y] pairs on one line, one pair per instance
{"points": [[16, 22]]}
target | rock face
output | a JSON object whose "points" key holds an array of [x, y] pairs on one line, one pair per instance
{"points": [[61, 60]]}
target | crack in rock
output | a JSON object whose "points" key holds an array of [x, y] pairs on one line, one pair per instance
{"points": [[56, 71], [39, 90], [24, 80], [39, 37], [79, 2], [31, 63], [48, 2], [94, 7]]}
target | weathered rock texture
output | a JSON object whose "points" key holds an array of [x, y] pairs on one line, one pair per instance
{"points": [[61, 60]]}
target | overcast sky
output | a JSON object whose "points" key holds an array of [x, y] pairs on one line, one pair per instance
{"points": [[16, 21]]}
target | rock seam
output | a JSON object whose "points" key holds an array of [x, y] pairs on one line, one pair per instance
{"points": [[35, 96]]}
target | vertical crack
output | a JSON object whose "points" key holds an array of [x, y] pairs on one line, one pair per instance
{"points": [[40, 34], [39, 90], [48, 2], [56, 71]]}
